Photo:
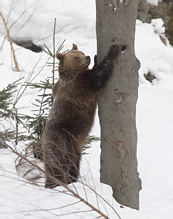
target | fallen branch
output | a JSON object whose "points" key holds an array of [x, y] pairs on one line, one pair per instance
{"points": [[61, 184]]}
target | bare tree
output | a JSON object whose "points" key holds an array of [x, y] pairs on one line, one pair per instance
{"points": [[117, 105]]}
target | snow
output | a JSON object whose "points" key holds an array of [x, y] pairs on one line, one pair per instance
{"points": [[153, 55], [153, 2], [75, 20]]}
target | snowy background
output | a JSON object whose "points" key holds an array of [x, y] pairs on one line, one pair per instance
{"points": [[76, 23]]}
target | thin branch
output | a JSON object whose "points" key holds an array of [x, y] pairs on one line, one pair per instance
{"points": [[53, 71], [48, 51], [29, 79], [17, 20], [17, 126], [10, 40], [102, 199], [25, 21], [61, 46], [59, 182]]}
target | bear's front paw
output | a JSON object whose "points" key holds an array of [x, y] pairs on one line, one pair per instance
{"points": [[115, 49]]}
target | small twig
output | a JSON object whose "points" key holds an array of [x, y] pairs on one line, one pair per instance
{"points": [[17, 20], [28, 80], [53, 71], [48, 51], [10, 40], [25, 21], [61, 46], [102, 199], [59, 182], [39, 116], [17, 128]]}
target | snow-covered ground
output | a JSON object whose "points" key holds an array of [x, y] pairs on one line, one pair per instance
{"points": [[76, 23]]}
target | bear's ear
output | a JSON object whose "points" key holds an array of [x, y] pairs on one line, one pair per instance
{"points": [[74, 47], [59, 56]]}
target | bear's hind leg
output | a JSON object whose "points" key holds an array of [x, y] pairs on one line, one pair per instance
{"points": [[50, 184], [52, 174], [74, 169], [58, 169]]}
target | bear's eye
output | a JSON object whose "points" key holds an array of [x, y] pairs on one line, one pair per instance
{"points": [[76, 57]]}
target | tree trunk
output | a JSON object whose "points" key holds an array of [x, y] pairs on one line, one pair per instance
{"points": [[115, 24]]}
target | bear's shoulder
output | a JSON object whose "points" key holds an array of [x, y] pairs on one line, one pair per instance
{"points": [[57, 87]]}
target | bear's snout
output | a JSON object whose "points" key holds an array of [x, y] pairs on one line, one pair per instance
{"points": [[86, 61], [88, 57]]}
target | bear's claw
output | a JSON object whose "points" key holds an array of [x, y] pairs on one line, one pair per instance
{"points": [[115, 49]]}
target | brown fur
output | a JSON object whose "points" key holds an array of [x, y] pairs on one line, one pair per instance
{"points": [[72, 114]]}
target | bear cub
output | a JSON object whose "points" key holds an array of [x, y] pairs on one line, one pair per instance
{"points": [[72, 114]]}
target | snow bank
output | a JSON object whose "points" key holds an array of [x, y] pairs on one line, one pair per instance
{"points": [[153, 2], [35, 20], [155, 57]]}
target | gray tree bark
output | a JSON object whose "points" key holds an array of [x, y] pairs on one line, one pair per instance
{"points": [[115, 24]]}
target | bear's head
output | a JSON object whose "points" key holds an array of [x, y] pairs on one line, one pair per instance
{"points": [[72, 63]]}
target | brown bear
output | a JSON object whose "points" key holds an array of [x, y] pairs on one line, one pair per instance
{"points": [[72, 114]]}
